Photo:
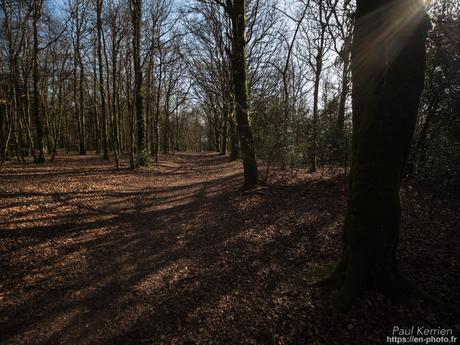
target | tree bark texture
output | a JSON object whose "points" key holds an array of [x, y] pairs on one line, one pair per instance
{"points": [[141, 155], [240, 83], [37, 114], [388, 63]]}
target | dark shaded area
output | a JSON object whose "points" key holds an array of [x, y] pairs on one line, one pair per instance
{"points": [[174, 254]]}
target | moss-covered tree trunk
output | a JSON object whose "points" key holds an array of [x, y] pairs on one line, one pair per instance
{"points": [[234, 142], [344, 91], [37, 12], [388, 63], [237, 11], [223, 149], [105, 135], [136, 15]]}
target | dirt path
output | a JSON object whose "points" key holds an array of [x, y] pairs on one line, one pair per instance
{"points": [[172, 255]]}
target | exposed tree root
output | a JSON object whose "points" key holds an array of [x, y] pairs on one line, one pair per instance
{"points": [[253, 190]]}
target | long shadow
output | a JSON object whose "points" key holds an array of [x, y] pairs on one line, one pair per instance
{"points": [[219, 256], [191, 263]]}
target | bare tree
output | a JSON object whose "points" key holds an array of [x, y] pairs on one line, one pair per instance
{"points": [[105, 136], [136, 17], [318, 44], [36, 15]]}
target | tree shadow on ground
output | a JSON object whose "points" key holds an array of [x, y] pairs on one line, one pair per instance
{"points": [[181, 261]]}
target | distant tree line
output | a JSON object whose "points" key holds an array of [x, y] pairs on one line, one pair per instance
{"points": [[259, 80], [150, 77]]}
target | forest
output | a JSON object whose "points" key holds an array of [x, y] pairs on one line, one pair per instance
{"points": [[229, 172]]}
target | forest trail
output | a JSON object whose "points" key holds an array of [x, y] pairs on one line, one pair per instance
{"points": [[172, 254]]}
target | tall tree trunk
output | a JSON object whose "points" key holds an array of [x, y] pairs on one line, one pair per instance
{"points": [[115, 102], [60, 111], [156, 124], [75, 96], [166, 125], [148, 103], [388, 79], [36, 78], [224, 136], [156, 134], [82, 106], [3, 116], [237, 10], [340, 128], [105, 135], [97, 142], [131, 122], [216, 139], [25, 111], [234, 147], [177, 137], [318, 71], [79, 101], [136, 14], [45, 107], [95, 95]]}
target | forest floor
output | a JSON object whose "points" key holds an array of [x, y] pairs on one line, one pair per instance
{"points": [[176, 254]]}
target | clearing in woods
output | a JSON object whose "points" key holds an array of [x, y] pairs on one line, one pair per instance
{"points": [[175, 254]]}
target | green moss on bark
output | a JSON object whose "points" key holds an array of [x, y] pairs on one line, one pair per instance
{"points": [[388, 78]]}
